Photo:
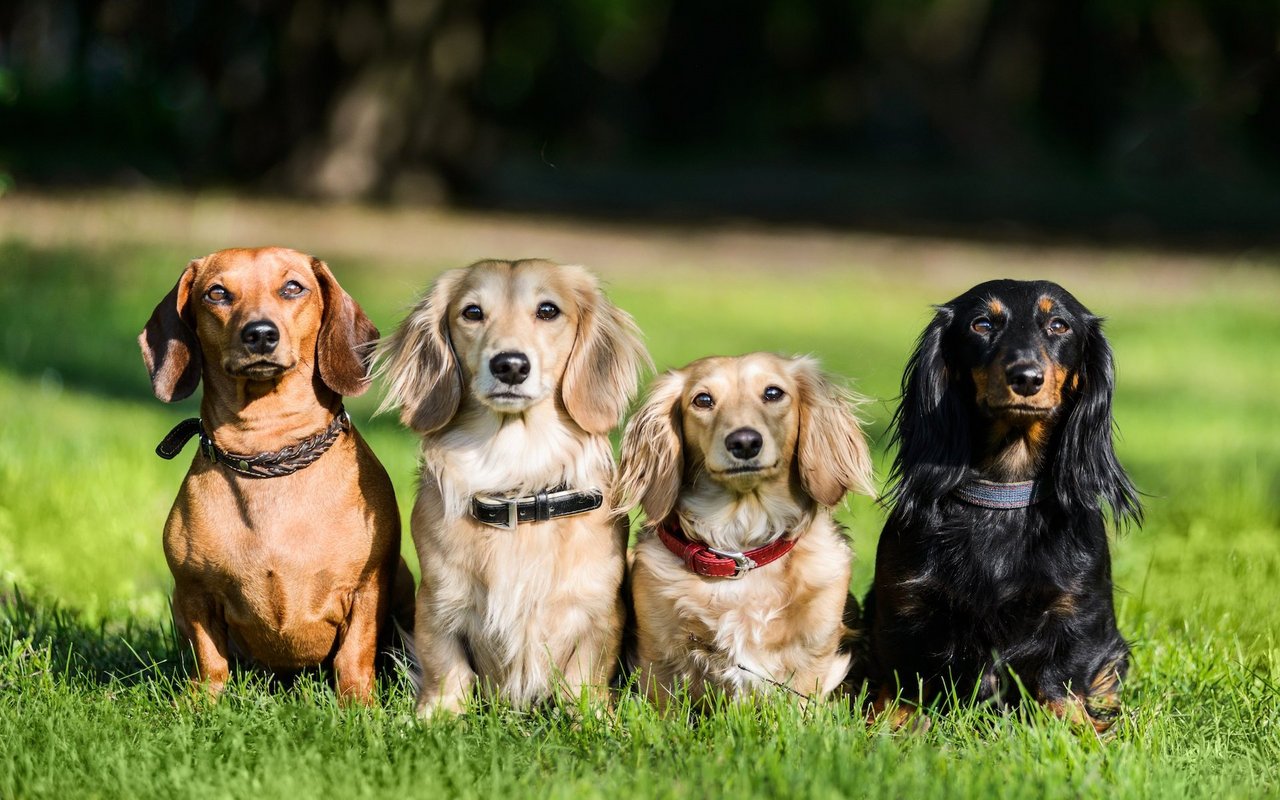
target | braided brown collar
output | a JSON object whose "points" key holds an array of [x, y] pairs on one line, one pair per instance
{"points": [[275, 464]]}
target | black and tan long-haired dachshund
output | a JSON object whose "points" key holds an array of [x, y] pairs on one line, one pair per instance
{"points": [[994, 561]]}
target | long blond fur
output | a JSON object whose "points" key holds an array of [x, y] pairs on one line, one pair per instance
{"points": [[417, 361], [833, 453], [607, 359], [516, 614], [652, 461]]}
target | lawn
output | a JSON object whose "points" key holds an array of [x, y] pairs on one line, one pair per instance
{"points": [[92, 692]]}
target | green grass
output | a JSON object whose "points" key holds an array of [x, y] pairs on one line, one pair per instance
{"points": [[92, 693]]}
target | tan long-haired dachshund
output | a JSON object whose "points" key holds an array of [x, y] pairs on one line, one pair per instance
{"points": [[514, 373], [284, 540], [740, 579]]}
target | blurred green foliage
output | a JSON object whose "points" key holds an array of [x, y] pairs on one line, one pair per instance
{"points": [[1128, 118]]}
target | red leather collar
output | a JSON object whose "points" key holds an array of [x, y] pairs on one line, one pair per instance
{"points": [[709, 563]]}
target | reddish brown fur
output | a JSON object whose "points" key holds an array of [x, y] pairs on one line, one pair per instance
{"points": [[1070, 708], [899, 713], [1064, 606], [1103, 703], [992, 389], [288, 572], [1016, 445]]}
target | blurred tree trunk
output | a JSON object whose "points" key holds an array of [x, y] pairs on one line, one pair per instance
{"points": [[319, 97], [399, 124]]}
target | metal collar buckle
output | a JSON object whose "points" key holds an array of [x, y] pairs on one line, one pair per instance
{"points": [[207, 447], [742, 563], [513, 511]]}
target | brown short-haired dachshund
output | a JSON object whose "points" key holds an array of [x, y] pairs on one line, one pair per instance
{"points": [[994, 561], [284, 540]]}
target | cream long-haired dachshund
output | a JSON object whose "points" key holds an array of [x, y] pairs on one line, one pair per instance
{"points": [[740, 579], [515, 373]]}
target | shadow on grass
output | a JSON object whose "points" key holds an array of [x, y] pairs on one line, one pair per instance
{"points": [[128, 653], [133, 653]]}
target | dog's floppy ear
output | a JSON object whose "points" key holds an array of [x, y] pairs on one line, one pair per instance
{"points": [[932, 424], [831, 452], [1086, 470], [608, 356], [169, 345], [652, 463], [425, 379], [344, 349]]}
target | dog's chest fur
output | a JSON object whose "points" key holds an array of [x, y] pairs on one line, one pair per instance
{"points": [[267, 556], [988, 562], [521, 600], [780, 624]]}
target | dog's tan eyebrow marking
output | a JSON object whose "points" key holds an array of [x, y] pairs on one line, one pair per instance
{"points": [[995, 307], [1046, 304]]}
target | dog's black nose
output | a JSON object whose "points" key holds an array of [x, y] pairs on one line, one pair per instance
{"points": [[260, 337], [1025, 379], [744, 443], [510, 368]]}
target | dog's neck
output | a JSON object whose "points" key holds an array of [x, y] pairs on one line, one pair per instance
{"points": [[1015, 452], [246, 416], [483, 452], [738, 521]]}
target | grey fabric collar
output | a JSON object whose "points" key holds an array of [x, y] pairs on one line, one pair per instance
{"points": [[1002, 496]]}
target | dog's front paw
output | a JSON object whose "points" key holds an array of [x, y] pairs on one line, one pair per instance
{"points": [[440, 705], [899, 714]]}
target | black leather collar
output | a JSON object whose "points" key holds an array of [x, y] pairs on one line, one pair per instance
{"points": [[501, 512]]}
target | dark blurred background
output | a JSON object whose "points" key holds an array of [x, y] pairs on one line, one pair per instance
{"points": [[1122, 119]]}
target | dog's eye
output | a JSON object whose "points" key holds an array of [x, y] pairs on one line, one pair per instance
{"points": [[473, 312], [1058, 326], [773, 394], [982, 325], [703, 400], [217, 294], [548, 311], [292, 289]]}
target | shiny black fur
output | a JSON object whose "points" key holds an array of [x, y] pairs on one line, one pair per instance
{"points": [[963, 596]]}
